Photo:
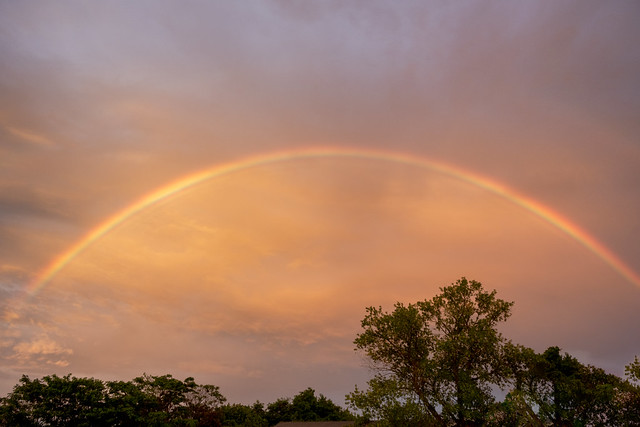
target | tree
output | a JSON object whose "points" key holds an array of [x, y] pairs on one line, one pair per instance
{"points": [[628, 396], [147, 400], [387, 402], [522, 369], [56, 401], [444, 353], [175, 401], [632, 370], [244, 415], [128, 405], [306, 406], [570, 393], [280, 410]]}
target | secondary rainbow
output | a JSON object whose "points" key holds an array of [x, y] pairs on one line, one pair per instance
{"points": [[188, 181]]}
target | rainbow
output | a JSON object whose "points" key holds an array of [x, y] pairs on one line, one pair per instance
{"points": [[188, 181]]}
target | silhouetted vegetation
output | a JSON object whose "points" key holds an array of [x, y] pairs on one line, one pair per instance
{"points": [[439, 362]]}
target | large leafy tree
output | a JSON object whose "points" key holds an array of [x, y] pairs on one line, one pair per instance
{"points": [[174, 400], [444, 354]]}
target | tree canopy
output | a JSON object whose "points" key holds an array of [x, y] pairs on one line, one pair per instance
{"points": [[441, 361], [444, 353], [150, 401], [147, 400]]}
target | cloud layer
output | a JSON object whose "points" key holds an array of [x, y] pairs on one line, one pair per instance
{"points": [[257, 281]]}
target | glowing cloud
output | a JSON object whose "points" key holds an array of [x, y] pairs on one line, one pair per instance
{"points": [[181, 184]]}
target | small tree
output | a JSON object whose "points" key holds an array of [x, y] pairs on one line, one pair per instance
{"points": [[235, 415], [443, 353], [306, 406]]}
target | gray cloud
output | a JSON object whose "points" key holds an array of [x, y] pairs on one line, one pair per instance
{"points": [[20, 201]]}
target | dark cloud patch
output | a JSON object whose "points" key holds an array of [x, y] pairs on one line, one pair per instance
{"points": [[19, 201]]}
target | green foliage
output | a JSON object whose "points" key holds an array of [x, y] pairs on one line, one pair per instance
{"points": [[280, 410], [309, 407], [440, 360], [444, 353], [628, 398], [568, 392], [147, 400], [388, 402], [56, 401], [306, 406], [244, 415], [632, 370]]}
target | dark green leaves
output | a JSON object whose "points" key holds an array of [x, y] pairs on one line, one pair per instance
{"points": [[147, 400], [440, 361], [445, 352]]}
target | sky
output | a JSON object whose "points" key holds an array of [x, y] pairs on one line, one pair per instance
{"points": [[220, 189]]}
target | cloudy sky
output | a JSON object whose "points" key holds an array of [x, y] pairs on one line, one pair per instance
{"points": [[414, 143]]}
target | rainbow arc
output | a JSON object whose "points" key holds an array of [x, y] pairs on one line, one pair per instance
{"points": [[164, 192]]}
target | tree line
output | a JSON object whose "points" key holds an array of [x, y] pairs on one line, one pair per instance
{"points": [[438, 362], [441, 362], [150, 401]]}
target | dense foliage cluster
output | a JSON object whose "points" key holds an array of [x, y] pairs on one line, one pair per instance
{"points": [[149, 401], [146, 400], [305, 406], [440, 362]]}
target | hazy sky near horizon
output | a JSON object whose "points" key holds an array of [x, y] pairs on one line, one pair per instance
{"points": [[256, 280]]}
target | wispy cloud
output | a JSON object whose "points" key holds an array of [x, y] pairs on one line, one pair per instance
{"points": [[30, 137]]}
